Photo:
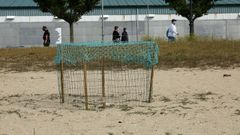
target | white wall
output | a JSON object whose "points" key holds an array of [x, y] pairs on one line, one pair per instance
{"points": [[26, 31], [119, 18]]}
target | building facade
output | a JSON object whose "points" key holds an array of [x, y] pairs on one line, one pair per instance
{"points": [[21, 22]]}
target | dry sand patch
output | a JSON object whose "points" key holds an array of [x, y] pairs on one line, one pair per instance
{"points": [[186, 101]]}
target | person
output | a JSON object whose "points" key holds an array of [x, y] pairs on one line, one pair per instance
{"points": [[124, 35], [46, 36], [172, 31], [115, 35]]}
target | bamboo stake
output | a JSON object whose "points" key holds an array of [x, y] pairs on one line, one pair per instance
{"points": [[103, 85], [85, 85]]}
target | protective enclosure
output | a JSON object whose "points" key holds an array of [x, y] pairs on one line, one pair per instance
{"points": [[99, 74]]}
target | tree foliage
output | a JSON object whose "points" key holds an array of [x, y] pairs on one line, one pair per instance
{"points": [[68, 10], [199, 7], [191, 9]]}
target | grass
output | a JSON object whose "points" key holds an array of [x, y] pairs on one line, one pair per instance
{"points": [[27, 59], [237, 112], [125, 108], [203, 96], [197, 52], [167, 133], [165, 99]]}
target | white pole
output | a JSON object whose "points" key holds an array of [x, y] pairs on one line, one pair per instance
{"points": [[137, 23], [148, 20], [102, 20]]}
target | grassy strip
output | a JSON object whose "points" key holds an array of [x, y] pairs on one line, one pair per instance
{"points": [[198, 52], [201, 52], [27, 59]]}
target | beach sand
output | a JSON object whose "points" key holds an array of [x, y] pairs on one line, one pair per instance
{"points": [[186, 102]]}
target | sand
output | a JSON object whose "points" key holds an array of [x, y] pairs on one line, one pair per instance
{"points": [[186, 102]]}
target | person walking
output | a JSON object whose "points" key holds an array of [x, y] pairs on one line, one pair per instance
{"points": [[115, 35], [46, 36], [172, 31], [124, 35]]}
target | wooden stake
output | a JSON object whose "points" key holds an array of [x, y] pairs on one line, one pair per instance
{"points": [[33, 131], [151, 85], [62, 76], [62, 81], [85, 85], [103, 85], [151, 81]]}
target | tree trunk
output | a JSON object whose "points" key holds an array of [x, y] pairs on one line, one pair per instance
{"points": [[191, 28], [71, 33]]}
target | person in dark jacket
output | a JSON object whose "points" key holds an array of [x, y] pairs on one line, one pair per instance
{"points": [[124, 35], [46, 37], [115, 35]]}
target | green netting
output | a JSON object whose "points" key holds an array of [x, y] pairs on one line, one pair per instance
{"points": [[98, 74], [142, 53]]}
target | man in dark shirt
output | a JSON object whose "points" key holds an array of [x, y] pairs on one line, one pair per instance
{"points": [[116, 35], [124, 35], [46, 37]]}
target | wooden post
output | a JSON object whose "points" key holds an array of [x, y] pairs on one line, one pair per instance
{"points": [[62, 76], [103, 85], [85, 85], [151, 85], [151, 81], [62, 81]]}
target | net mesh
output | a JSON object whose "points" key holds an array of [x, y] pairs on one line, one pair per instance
{"points": [[111, 73]]}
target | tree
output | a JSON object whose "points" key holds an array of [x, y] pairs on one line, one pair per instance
{"points": [[68, 10], [191, 9]]}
